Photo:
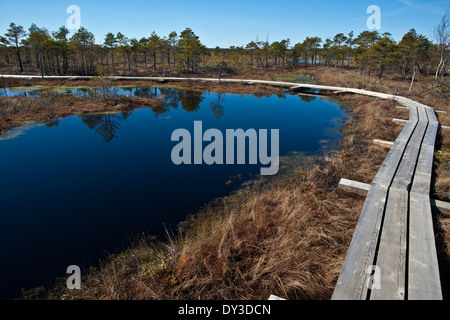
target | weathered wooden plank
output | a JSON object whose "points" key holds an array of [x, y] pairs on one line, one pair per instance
{"points": [[362, 189], [310, 95], [442, 206], [385, 174], [405, 172], [423, 271], [422, 177], [383, 143], [399, 121], [353, 279], [340, 91], [391, 258], [430, 138], [390, 164], [352, 283], [354, 187]]}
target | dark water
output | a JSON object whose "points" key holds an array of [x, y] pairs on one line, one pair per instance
{"points": [[74, 188]]}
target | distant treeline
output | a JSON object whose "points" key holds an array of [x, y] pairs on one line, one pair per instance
{"points": [[38, 50]]}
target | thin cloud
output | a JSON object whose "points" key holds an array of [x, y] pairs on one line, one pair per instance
{"points": [[430, 7]]}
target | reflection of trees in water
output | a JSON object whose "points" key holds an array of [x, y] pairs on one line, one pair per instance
{"points": [[261, 95], [145, 92], [51, 122], [106, 125], [170, 101], [307, 99], [84, 92], [216, 107], [190, 100], [170, 97]]}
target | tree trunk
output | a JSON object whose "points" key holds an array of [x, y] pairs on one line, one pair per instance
{"points": [[412, 80], [112, 57], [18, 56], [440, 63]]}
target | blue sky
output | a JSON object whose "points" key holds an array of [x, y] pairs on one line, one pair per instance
{"points": [[229, 22]]}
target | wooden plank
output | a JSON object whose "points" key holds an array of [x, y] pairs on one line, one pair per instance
{"points": [[352, 282], [423, 271], [422, 177], [383, 143], [353, 279], [385, 174], [340, 91], [354, 187], [442, 206], [405, 172], [310, 95], [399, 121], [360, 188], [402, 107], [391, 259], [392, 253]]}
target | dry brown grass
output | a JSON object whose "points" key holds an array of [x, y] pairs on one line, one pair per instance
{"points": [[442, 180], [286, 239]]}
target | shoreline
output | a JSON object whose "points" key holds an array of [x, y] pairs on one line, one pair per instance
{"points": [[47, 107]]}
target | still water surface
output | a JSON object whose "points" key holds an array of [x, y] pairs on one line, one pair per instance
{"points": [[73, 189]]}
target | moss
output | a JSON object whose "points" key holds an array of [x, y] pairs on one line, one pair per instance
{"points": [[443, 155], [295, 77]]}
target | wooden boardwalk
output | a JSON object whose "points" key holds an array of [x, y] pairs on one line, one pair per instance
{"points": [[392, 255]]}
